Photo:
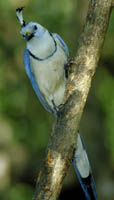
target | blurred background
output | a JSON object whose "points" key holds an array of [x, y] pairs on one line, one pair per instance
{"points": [[25, 126]]}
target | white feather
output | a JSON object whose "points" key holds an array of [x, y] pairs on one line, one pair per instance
{"points": [[19, 15], [81, 159]]}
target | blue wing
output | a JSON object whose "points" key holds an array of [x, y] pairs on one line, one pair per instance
{"points": [[65, 48], [83, 171], [33, 81]]}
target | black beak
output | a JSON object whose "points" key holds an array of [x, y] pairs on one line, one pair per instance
{"points": [[28, 37]]}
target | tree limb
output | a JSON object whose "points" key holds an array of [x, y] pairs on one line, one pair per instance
{"points": [[60, 149]]}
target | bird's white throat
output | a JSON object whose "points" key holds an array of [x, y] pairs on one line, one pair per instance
{"points": [[41, 46]]}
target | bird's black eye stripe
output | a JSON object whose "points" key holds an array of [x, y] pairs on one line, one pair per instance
{"points": [[35, 27]]}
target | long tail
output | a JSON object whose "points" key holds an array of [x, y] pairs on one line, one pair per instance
{"points": [[83, 170]]}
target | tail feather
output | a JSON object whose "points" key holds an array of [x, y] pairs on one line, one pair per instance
{"points": [[83, 170]]}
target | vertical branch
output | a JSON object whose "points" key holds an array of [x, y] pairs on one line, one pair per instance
{"points": [[60, 149]]}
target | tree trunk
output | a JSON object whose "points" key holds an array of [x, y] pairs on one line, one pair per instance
{"points": [[60, 149]]}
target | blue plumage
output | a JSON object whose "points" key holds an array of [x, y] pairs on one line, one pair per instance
{"points": [[63, 44], [27, 65]]}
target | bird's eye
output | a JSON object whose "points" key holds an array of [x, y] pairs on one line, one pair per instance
{"points": [[35, 27]]}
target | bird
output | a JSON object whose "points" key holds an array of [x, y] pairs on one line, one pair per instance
{"points": [[45, 58]]}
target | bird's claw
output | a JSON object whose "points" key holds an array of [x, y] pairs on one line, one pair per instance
{"points": [[68, 67]]}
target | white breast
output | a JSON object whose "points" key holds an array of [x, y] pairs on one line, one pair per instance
{"points": [[49, 74]]}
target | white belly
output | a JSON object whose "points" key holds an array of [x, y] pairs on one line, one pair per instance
{"points": [[49, 75]]}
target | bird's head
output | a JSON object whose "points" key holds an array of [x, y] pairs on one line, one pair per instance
{"points": [[31, 29]]}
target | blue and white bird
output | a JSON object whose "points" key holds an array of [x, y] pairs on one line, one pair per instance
{"points": [[45, 56]]}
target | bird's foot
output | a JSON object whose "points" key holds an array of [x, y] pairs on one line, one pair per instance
{"points": [[68, 67], [55, 108], [58, 110]]}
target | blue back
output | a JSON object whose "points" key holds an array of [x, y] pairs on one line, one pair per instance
{"points": [[65, 48]]}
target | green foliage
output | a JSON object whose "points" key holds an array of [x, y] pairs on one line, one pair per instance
{"points": [[24, 124], [105, 95], [20, 191]]}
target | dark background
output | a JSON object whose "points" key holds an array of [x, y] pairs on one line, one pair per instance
{"points": [[25, 126]]}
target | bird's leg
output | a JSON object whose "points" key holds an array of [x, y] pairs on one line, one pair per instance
{"points": [[54, 106], [68, 67], [58, 109]]}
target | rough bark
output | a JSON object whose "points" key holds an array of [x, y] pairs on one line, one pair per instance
{"points": [[60, 149]]}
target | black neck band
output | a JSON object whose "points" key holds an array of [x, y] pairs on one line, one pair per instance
{"points": [[50, 55]]}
